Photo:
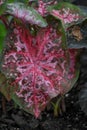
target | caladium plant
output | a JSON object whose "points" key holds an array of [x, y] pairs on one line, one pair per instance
{"points": [[34, 61]]}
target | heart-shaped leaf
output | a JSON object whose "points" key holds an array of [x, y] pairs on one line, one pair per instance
{"points": [[26, 13], [37, 65]]}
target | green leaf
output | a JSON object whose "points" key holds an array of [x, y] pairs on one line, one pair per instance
{"points": [[68, 13], [61, 30], [56, 106], [3, 33], [11, 1], [26, 14], [2, 8], [5, 87]]}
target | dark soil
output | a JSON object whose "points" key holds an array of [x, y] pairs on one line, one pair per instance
{"points": [[74, 118]]}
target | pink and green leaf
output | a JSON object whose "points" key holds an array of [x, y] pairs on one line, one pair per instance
{"points": [[68, 13], [37, 66], [26, 14]]}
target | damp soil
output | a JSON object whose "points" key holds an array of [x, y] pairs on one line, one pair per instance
{"points": [[13, 118]]}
